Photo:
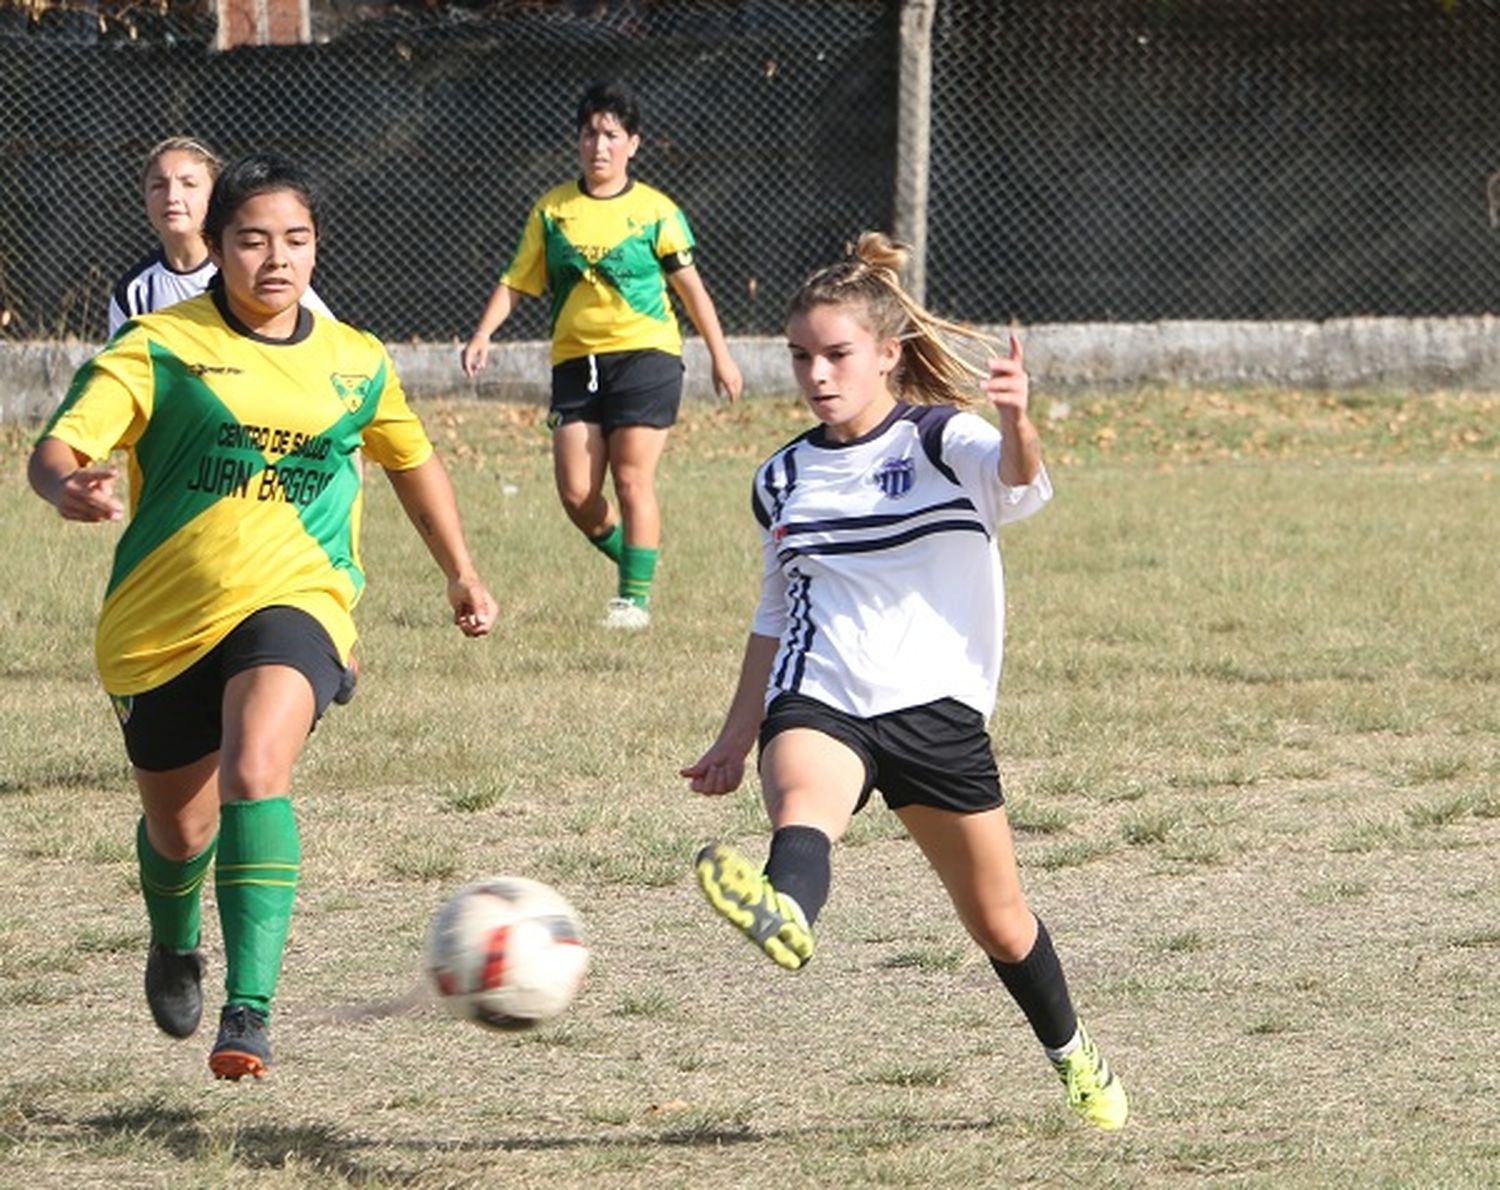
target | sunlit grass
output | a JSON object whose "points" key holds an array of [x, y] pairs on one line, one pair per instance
{"points": [[1249, 734]]}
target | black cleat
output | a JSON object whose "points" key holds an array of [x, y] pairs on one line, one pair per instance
{"points": [[244, 1045], [174, 989], [347, 683]]}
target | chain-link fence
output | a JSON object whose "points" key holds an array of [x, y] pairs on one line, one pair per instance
{"points": [[432, 134], [1091, 159], [1108, 160]]}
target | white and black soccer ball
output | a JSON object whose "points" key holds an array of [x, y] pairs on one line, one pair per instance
{"points": [[506, 952]]}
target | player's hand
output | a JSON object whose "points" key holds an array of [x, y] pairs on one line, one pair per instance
{"points": [[1007, 386], [474, 608], [475, 355], [728, 381], [88, 495], [718, 771]]}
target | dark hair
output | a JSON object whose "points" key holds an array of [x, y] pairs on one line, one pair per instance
{"points": [[610, 98], [246, 177]]}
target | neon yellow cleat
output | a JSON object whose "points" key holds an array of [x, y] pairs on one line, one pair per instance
{"points": [[742, 895], [1093, 1090]]}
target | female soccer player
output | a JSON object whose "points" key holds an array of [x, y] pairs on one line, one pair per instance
{"points": [[176, 182], [607, 247], [874, 657], [227, 620]]}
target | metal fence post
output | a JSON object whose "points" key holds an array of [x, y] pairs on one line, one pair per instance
{"points": [[913, 138]]}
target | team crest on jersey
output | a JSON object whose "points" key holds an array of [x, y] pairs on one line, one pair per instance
{"points": [[894, 477], [352, 389]]}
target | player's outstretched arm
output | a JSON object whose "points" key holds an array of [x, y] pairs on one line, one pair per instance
{"points": [[426, 493], [688, 286], [476, 352], [721, 769], [79, 492]]}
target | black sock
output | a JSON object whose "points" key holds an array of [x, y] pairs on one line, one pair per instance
{"points": [[798, 866], [1036, 983]]}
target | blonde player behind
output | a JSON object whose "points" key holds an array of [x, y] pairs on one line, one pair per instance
{"points": [[227, 620], [606, 248], [175, 184], [874, 658]]}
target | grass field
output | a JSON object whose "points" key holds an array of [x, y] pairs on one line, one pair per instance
{"points": [[1250, 734]]}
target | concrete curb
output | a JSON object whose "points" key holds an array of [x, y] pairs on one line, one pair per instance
{"points": [[1396, 353]]}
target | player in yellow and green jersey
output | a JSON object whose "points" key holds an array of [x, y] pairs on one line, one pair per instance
{"points": [[227, 622], [607, 248]]}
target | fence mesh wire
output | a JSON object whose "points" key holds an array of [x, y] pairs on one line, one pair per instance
{"points": [[1091, 159], [1149, 159]]}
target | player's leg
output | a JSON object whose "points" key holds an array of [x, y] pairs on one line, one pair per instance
{"points": [[282, 671], [172, 737], [174, 848], [644, 394], [579, 459], [634, 454], [580, 454], [815, 776], [974, 856]]}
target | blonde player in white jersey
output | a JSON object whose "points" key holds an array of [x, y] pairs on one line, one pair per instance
{"points": [[175, 185], [874, 658]]}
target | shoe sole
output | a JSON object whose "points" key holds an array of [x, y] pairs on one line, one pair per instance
{"points": [[783, 940], [236, 1064]]}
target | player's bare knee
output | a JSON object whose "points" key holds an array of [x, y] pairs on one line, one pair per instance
{"points": [[252, 776], [1005, 932], [181, 838]]}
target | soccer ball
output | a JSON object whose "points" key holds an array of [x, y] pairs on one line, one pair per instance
{"points": [[506, 952]]}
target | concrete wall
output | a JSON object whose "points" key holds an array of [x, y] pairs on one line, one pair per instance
{"points": [[1395, 353]]}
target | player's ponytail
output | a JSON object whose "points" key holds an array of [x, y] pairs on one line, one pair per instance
{"points": [[868, 280]]}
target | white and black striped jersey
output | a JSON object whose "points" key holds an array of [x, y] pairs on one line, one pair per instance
{"points": [[883, 579], [153, 285]]}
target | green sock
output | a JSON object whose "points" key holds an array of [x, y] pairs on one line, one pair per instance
{"points": [[256, 881], [610, 542], [173, 890], [637, 569]]}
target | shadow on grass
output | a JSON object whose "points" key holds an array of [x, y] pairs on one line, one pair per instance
{"points": [[102, 777], [189, 1136]]}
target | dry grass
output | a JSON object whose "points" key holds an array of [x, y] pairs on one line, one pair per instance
{"points": [[1249, 730]]}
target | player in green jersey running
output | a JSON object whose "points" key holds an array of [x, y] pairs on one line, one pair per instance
{"points": [[227, 623]]}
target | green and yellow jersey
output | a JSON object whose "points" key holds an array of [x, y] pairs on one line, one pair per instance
{"points": [[605, 261], [244, 481]]}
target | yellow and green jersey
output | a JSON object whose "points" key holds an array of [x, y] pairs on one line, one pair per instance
{"points": [[605, 261], [244, 480]]}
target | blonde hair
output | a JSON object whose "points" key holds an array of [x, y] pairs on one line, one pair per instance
{"points": [[868, 282], [183, 144]]}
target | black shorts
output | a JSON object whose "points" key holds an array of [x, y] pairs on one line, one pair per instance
{"points": [[618, 388], [937, 754], [181, 720]]}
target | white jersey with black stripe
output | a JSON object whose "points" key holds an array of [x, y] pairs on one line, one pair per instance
{"points": [[883, 579], [153, 285]]}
